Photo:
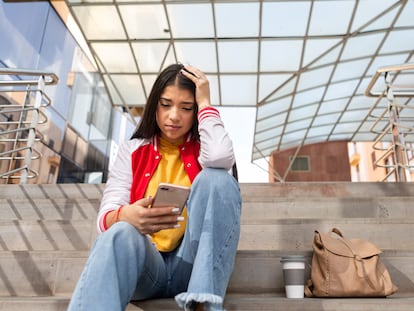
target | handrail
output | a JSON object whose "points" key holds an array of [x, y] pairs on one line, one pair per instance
{"points": [[49, 77], [383, 70], [19, 132], [399, 127]]}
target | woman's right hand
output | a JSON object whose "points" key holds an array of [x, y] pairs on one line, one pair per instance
{"points": [[150, 220]]}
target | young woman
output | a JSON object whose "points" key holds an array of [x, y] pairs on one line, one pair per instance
{"points": [[146, 252]]}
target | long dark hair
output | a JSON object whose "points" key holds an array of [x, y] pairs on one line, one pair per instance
{"points": [[171, 75]]}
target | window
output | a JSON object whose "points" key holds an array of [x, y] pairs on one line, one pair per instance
{"points": [[300, 164]]}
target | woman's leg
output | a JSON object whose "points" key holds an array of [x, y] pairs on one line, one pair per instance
{"points": [[120, 259], [211, 239]]}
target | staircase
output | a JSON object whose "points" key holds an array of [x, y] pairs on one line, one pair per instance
{"points": [[46, 232]]}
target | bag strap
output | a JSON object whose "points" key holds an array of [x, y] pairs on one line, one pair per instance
{"points": [[357, 258], [309, 288]]}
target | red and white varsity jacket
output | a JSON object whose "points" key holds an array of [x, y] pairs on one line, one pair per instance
{"points": [[137, 160]]}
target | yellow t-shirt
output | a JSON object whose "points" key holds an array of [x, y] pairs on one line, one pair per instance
{"points": [[170, 170]]}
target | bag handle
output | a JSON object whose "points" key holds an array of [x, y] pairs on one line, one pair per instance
{"points": [[338, 232]]}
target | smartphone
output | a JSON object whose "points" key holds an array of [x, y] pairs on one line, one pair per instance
{"points": [[171, 195]]}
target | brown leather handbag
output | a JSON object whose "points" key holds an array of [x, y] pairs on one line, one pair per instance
{"points": [[347, 268]]}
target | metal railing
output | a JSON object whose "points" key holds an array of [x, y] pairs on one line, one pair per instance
{"points": [[395, 139], [23, 99]]}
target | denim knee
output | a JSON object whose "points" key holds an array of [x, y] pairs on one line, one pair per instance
{"points": [[124, 236], [214, 178]]}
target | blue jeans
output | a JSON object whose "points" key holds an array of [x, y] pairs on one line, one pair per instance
{"points": [[124, 265]]}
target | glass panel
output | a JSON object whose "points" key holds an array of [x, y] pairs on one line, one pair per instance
{"points": [[326, 119], [350, 70], [353, 115], [148, 81], [272, 122], [333, 105], [94, 22], [286, 90], [191, 20], [273, 108], [346, 128], [145, 21], [364, 137], [101, 117], [280, 55], [130, 88], [361, 102], [343, 89], [314, 139], [237, 20], [381, 61], [308, 97], [82, 98], [116, 99], [285, 18], [294, 126], [318, 131], [406, 17], [238, 90], [396, 41], [367, 12], [240, 56], [268, 83], [214, 90], [363, 45], [314, 48], [268, 135], [329, 58], [325, 21], [200, 54], [314, 77], [295, 137], [340, 136], [268, 144], [106, 52], [382, 22], [150, 55], [303, 112]]}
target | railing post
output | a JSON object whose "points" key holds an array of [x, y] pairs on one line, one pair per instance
{"points": [[397, 138], [32, 129]]}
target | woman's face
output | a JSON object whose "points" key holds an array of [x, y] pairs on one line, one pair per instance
{"points": [[175, 113]]}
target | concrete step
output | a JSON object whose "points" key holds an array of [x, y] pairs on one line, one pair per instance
{"points": [[266, 191], [51, 191], [56, 273], [46, 232], [267, 302], [282, 234], [379, 208]]}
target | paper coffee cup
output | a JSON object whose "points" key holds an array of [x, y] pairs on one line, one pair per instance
{"points": [[294, 275]]}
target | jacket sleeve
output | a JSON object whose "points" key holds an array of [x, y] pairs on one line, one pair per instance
{"points": [[118, 185], [216, 147]]}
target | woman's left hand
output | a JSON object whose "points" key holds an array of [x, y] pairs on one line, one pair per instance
{"points": [[202, 85]]}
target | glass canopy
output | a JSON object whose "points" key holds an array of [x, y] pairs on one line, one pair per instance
{"points": [[304, 65]]}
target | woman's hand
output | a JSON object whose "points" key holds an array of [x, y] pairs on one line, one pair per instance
{"points": [[201, 83], [150, 220]]}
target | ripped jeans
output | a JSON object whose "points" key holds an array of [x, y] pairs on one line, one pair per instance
{"points": [[124, 265]]}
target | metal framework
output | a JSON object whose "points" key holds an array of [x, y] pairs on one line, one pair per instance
{"points": [[19, 121]]}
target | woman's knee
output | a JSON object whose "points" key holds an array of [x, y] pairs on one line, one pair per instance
{"points": [[215, 178], [122, 235]]}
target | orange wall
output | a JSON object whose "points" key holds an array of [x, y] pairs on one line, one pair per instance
{"points": [[329, 161]]}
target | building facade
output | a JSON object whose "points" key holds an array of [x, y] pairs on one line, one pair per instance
{"points": [[79, 136]]}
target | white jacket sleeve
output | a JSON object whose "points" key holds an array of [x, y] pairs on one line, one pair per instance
{"points": [[118, 185], [216, 148]]}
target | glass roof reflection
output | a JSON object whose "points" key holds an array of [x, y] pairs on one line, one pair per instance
{"points": [[304, 65]]}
